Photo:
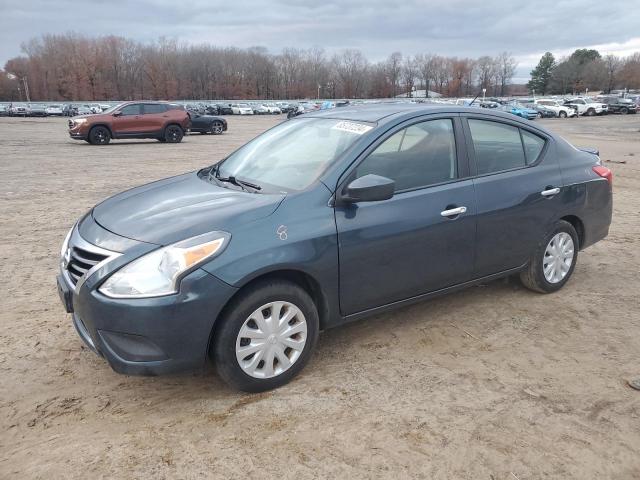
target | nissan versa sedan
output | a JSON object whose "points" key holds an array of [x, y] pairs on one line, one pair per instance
{"points": [[321, 220]]}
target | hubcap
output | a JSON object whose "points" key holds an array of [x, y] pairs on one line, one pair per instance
{"points": [[271, 340], [558, 257]]}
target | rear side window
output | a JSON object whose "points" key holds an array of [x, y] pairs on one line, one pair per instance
{"points": [[417, 156], [134, 109], [497, 146], [154, 108], [533, 145]]}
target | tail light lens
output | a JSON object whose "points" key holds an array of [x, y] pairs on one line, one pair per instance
{"points": [[604, 172]]}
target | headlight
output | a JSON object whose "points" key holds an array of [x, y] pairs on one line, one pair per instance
{"points": [[158, 273], [79, 120]]}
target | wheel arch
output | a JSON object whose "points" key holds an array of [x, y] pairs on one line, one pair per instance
{"points": [[303, 279], [578, 225]]}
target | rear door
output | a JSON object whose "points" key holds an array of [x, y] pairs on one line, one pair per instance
{"points": [[154, 117], [128, 122], [394, 249], [518, 188]]}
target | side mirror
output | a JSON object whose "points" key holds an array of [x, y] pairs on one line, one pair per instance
{"points": [[117, 114], [370, 188]]}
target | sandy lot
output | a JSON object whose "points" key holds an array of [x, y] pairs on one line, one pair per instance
{"points": [[495, 382]]}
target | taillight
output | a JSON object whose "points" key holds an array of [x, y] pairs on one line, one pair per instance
{"points": [[604, 172]]}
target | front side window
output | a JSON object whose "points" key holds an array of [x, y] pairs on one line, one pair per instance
{"points": [[417, 156], [497, 146], [292, 155], [131, 109]]}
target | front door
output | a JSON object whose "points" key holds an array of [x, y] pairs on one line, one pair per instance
{"points": [[128, 122], [420, 240]]}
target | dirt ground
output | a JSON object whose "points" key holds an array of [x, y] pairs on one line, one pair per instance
{"points": [[495, 382]]}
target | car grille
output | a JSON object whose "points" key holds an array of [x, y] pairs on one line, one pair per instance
{"points": [[80, 257], [81, 261]]}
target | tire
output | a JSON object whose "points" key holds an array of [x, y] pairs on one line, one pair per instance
{"points": [[99, 135], [534, 277], [591, 112], [624, 110], [562, 114], [238, 316], [539, 115], [173, 134], [216, 128]]}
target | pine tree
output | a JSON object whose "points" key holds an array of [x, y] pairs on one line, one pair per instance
{"points": [[541, 75]]}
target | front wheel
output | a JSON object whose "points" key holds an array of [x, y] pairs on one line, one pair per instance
{"points": [[562, 114], [624, 110], [266, 336], [99, 135], [554, 260], [173, 134], [591, 112]]}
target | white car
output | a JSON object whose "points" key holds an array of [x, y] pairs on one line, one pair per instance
{"points": [[54, 110], [273, 109], [588, 107], [562, 111], [95, 108], [241, 109]]}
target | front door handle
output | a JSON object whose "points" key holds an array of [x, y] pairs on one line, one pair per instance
{"points": [[550, 192], [453, 211]]}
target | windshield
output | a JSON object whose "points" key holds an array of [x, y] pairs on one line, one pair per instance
{"points": [[112, 109], [293, 154]]}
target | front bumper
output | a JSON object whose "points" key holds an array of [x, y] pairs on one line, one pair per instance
{"points": [[77, 135], [147, 336]]}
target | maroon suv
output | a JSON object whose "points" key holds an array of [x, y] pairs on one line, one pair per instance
{"points": [[166, 122]]}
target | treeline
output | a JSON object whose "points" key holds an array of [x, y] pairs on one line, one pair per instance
{"points": [[76, 67], [583, 70]]}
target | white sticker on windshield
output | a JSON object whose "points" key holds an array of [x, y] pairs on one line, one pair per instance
{"points": [[352, 127]]}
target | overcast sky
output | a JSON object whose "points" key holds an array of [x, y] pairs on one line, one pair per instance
{"points": [[378, 27]]}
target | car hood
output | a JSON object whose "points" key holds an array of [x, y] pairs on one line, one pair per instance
{"points": [[181, 207]]}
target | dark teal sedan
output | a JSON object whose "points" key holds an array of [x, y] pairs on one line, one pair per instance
{"points": [[324, 219]]}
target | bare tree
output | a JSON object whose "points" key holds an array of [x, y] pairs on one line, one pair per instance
{"points": [[394, 70], [507, 65]]}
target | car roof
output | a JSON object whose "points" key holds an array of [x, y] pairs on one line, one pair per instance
{"points": [[382, 112]]}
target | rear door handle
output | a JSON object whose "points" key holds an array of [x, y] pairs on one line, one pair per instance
{"points": [[453, 211], [550, 192]]}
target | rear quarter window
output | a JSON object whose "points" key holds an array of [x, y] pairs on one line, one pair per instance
{"points": [[497, 146], [533, 145]]}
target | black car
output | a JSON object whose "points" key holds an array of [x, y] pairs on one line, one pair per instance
{"points": [[211, 109], [321, 220], [224, 109], [620, 105], [207, 123]]}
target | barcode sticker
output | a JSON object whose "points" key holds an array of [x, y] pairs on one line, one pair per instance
{"points": [[352, 127]]}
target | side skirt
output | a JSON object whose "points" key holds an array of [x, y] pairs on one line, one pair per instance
{"points": [[426, 296]]}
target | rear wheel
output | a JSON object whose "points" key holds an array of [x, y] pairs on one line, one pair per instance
{"points": [[554, 260], [216, 128], [266, 336], [173, 134], [99, 135]]}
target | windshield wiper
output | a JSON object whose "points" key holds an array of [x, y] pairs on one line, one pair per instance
{"points": [[214, 172]]}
